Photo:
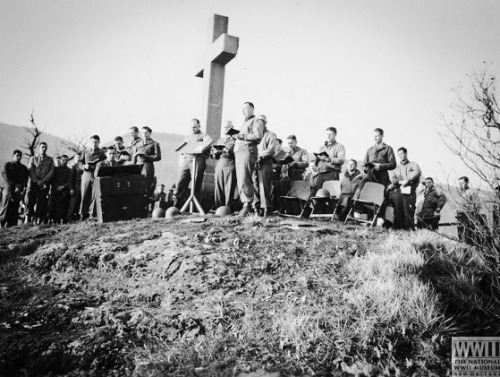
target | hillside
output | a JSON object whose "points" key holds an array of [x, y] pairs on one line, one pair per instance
{"points": [[230, 297]]}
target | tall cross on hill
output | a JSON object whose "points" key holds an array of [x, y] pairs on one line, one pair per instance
{"points": [[211, 68]]}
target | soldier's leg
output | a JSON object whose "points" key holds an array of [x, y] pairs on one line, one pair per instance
{"points": [[199, 174], [230, 184], [86, 195], [219, 187]]}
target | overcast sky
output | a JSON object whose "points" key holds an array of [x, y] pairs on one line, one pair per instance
{"points": [[102, 66]]}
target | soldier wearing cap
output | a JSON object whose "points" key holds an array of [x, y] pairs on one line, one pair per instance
{"points": [[262, 176]]}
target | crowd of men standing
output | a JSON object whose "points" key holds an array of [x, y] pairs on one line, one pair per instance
{"points": [[51, 191], [252, 173]]}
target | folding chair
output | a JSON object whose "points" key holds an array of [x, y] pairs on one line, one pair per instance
{"points": [[333, 187], [372, 196], [300, 192]]}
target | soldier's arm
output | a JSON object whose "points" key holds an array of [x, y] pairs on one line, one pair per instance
{"points": [[415, 176], [270, 148], [31, 170], [391, 161], [339, 160], [256, 134], [303, 163], [50, 173], [6, 175], [157, 153]]}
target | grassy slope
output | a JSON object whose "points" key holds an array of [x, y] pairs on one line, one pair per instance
{"points": [[157, 297]]}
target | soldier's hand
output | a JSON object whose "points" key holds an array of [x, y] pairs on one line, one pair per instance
{"points": [[376, 166], [72, 192]]}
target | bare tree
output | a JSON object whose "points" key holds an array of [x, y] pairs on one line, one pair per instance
{"points": [[75, 144], [32, 137], [472, 132]]}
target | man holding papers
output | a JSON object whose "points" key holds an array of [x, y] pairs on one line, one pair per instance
{"points": [[329, 160], [88, 162], [245, 153], [405, 179], [225, 173], [185, 163]]}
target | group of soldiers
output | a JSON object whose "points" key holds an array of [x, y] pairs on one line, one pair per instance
{"points": [[51, 191], [252, 172]]}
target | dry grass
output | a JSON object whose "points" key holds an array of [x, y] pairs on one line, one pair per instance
{"points": [[235, 295]]}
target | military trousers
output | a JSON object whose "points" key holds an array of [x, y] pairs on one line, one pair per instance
{"points": [[245, 160]]}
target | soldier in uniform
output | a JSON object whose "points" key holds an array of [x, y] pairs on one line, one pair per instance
{"points": [[75, 194], [328, 168], [15, 176], [146, 152], [88, 163], [135, 138], [262, 176], [297, 168], [41, 169], [434, 201], [225, 172], [379, 159], [245, 154], [277, 175], [59, 193], [185, 165], [108, 162], [407, 174]]}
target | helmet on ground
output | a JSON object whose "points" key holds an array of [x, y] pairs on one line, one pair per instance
{"points": [[172, 211], [323, 193], [158, 213], [223, 211]]}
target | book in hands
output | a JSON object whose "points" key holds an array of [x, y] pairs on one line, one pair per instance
{"points": [[370, 165], [232, 131], [321, 155], [288, 159]]}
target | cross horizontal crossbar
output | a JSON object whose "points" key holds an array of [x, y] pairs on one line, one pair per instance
{"points": [[222, 51]]}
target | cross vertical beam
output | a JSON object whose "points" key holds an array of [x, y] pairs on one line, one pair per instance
{"points": [[211, 68]]}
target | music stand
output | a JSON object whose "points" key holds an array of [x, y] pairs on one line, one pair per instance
{"points": [[193, 148]]}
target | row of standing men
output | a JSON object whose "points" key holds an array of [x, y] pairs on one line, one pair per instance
{"points": [[51, 191], [254, 167]]}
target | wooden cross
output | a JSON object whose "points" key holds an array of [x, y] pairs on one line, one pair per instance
{"points": [[222, 50]]}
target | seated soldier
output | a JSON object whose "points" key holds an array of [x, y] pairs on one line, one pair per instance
{"points": [[348, 186], [434, 201], [109, 161], [328, 168]]}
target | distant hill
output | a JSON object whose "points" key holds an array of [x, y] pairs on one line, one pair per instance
{"points": [[12, 137]]}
